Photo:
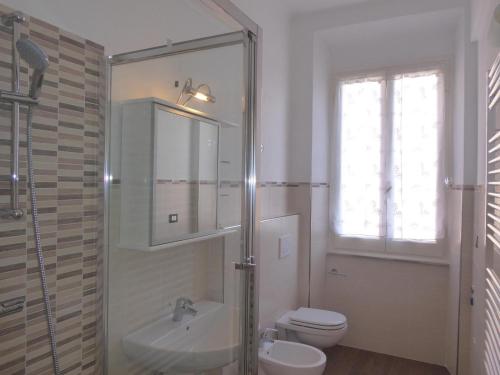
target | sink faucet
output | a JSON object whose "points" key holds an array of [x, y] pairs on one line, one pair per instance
{"points": [[183, 306]]}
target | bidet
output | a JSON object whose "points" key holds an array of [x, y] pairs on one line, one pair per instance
{"points": [[291, 358]]}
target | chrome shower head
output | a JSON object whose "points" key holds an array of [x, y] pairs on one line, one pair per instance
{"points": [[33, 54], [37, 59]]}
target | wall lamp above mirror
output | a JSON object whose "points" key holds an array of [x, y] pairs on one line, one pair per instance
{"points": [[201, 92]]}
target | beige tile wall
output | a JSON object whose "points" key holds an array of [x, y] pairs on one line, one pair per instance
{"points": [[320, 233], [396, 308], [279, 285], [276, 199], [68, 129], [179, 198]]}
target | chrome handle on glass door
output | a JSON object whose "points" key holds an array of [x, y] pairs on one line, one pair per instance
{"points": [[249, 264]]}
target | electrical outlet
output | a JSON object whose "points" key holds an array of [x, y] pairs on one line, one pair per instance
{"points": [[173, 218]]}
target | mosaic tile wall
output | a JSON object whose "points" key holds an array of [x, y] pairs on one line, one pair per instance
{"points": [[68, 148]]}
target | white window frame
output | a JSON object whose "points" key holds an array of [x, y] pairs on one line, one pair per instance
{"points": [[384, 247]]}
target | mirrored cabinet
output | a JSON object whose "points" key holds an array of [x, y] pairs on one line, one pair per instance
{"points": [[171, 171]]}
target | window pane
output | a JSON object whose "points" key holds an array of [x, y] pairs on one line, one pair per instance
{"points": [[416, 122], [359, 208]]}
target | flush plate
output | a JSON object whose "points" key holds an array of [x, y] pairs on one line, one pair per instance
{"points": [[285, 246]]}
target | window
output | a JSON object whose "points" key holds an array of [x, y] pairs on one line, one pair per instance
{"points": [[389, 182], [360, 204]]}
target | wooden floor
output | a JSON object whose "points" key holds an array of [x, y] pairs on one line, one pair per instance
{"points": [[342, 360]]}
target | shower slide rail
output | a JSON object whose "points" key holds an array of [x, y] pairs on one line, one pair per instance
{"points": [[15, 97]]}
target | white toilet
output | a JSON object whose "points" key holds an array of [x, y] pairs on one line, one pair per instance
{"points": [[319, 328]]}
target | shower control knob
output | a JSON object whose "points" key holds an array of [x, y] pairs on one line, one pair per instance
{"points": [[17, 214], [11, 213]]}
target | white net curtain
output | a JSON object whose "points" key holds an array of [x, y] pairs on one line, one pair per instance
{"points": [[389, 163]]}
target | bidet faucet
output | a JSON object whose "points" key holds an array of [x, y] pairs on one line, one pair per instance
{"points": [[268, 336], [183, 306]]}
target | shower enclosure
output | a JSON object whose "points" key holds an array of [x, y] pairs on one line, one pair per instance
{"points": [[180, 199]]}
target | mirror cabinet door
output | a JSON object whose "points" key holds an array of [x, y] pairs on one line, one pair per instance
{"points": [[185, 179]]}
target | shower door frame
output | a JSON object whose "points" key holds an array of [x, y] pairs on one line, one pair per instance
{"points": [[251, 38]]}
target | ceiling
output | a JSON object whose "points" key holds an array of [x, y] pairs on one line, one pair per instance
{"points": [[126, 25], [306, 6], [436, 23], [393, 42]]}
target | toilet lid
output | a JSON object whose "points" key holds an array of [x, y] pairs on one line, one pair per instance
{"points": [[317, 317]]}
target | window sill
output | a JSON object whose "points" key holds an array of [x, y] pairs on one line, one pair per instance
{"points": [[393, 257]]}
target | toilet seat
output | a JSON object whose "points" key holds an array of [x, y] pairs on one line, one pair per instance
{"points": [[317, 327], [317, 319]]}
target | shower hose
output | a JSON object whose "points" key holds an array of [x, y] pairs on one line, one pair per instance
{"points": [[38, 245]]}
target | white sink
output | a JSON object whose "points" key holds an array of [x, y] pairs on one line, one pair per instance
{"points": [[207, 341]]}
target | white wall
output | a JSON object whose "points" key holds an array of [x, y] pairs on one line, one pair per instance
{"points": [[413, 40], [465, 132], [399, 41], [322, 102], [220, 68], [458, 113], [398, 308], [306, 28], [320, 157], [280, 159], [275, 131]]}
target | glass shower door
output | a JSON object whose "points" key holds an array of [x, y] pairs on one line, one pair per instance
{"points": [[181, 198]]}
